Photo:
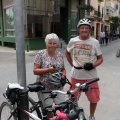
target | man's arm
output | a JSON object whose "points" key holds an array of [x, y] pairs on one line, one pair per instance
{"points": [[69, 59], [98, 61]]}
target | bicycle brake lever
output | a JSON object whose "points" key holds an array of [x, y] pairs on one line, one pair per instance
{"points": [[52, 95]]}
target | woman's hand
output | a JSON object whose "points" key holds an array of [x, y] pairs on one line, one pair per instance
{"points": [[51, 69], [41, 71]]}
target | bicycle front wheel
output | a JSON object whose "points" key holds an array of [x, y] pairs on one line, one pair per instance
{"points": [[34, 108], [5, 112], [82, 116]]}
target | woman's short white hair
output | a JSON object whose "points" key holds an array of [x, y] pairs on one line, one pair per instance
{"points": [[51, 36]]}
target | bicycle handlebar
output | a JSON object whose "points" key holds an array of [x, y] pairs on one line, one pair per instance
{"points": [[92, 81], [77, 86]]}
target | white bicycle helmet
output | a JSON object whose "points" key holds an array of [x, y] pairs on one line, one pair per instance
{"points": [[84, 22]]}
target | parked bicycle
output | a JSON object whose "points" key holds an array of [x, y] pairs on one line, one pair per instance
{"points": [[9, 109], [84, 87], [62, 110]]}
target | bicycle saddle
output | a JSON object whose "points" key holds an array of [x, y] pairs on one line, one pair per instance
{"points": [[35, 87], [14, 85]]}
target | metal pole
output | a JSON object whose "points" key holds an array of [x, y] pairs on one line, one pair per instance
{"points": [[20, 43], [20, 55]]}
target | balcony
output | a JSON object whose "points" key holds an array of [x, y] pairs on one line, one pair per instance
{"points": [[107, 17], [97, 13], [94, 15]]}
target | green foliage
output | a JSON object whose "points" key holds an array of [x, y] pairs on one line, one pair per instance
{"points": [[86, 7], [115, 20]]}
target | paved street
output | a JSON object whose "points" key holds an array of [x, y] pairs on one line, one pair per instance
{"points": [[109, 73]]}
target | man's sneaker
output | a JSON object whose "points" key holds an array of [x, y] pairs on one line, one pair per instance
{"points": [[91, 118]]}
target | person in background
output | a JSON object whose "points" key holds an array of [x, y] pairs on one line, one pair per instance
{"points": [[86, 56], [110, 36], [48, 61], [102, 37], [106, 37]]}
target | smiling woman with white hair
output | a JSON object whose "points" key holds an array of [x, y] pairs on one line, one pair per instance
{"points": [[51, 36], [47, 61]]}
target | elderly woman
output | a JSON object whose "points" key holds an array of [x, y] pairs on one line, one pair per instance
{"points": [[47, 61]]}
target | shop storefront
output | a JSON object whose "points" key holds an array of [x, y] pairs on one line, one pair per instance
{"points": [[40, 18]]}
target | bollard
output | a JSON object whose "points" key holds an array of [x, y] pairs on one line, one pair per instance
{"points": [[61, 45], [23, 104], [27, 48], [14, 46]]}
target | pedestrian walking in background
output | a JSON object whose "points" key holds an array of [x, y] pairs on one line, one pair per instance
{"points": [[110, 36], [86, 56], [106, 37], [102, 37]]}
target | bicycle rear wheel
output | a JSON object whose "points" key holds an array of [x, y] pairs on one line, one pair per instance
{"points": [[5, 111], [34, 108]]}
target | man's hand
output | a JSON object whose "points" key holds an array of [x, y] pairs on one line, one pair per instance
{"points": [[88, 66]]}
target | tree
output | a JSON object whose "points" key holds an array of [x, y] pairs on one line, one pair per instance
{"points": [[115, 20]]}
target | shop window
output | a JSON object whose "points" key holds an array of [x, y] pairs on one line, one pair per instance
{"points": [[9, 22], [42, 17]]}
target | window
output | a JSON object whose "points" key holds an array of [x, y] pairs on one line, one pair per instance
{"points": [[31, 3], [116, 7], [88, 2], [9, 22], [42, 17], [57, 6], [107, 11], [102, 11], [74, 21]]}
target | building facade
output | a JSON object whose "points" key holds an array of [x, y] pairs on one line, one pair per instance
{"points": [[40, 18], [112, 10], [58, 16], [100, 15], [95, 16]]}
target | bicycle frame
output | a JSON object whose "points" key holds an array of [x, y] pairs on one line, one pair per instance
{"points": [[31, 115]]}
